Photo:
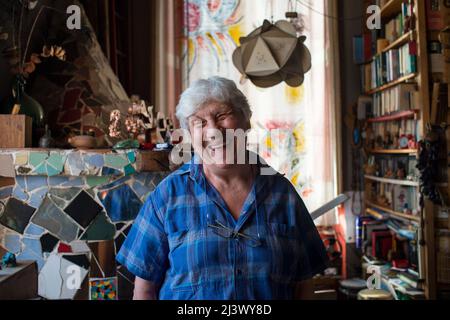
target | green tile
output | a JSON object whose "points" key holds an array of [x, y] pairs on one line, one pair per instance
{"points": [[41, 169], [56, 161], [129, 169], [37, 158], [51, 171], [131, 156], [96, 181], [116, 161], [100, 229]]}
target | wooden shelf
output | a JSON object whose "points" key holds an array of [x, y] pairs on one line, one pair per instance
{"points": [[393, 181], [390, 9], [394, 151], [395, 116], [401, 41], [393, 213], [392, 84]]}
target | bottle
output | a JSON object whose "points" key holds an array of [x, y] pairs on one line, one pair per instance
{"points": [[21, 103]]}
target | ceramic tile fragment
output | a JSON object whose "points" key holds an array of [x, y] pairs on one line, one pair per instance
{"points": [[56, 160], [80, 260], [121, 203], [73, 182], [94, 160], [18, 193], [96, 181], [48, 242], [103, 289], [7, 166], [75, 164], [37, 196], [16, 215], [131, 156], [21, 182], [5, 192], [55, 220], [79, 246], [34, 230], [103, 262], [49, 280], [21, 158], [116, 161], [129, 169], [111, 172], [41, 169], [36, 158], [83, 209], [68, 291], [35, 182], [12, 243], [64, 248], [67, 194], [100, 229]]}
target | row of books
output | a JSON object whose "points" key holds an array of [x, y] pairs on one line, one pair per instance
{"points": [[401, 24], [402, 97], [389, 66], [371, 43]]}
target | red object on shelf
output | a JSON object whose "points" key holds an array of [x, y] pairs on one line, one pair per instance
{"points": [[400, 264], [64, 248], [395, 116]]}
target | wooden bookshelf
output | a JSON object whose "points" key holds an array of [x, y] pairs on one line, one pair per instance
{"points": [[407, 114], [393, 181], [390, 9], [393, 213], [425, 220], [394, 151], [392, 84], [407, 37]]}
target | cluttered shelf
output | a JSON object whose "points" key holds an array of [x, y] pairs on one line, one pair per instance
{"points": [[393, 181], [393, 213], [394, 151], [407, 114]]}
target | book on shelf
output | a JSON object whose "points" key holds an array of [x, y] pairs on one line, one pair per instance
{"points": [[436, 10], [402, 97], [412, 280], [389, 66]]}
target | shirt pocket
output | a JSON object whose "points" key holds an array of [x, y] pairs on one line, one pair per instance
{"points": [[188, 258], [285, 246]]}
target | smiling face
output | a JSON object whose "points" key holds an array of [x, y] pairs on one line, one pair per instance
{"points": [[208, 128]]}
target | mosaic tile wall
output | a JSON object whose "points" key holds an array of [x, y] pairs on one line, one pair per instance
{"points": [[77, 94], [79, 219]]}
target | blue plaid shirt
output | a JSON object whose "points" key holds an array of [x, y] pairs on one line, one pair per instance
{"points": [[187, 242]]}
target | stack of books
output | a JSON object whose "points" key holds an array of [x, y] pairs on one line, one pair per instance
{"points": [[399, 98]]}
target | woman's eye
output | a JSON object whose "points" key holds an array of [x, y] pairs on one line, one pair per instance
{"points": [[222, 116]]}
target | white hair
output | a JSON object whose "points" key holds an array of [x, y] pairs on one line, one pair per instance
{"points": [[215, 89]]}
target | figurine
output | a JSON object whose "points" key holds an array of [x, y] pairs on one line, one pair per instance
{"points": [[9, 260]]}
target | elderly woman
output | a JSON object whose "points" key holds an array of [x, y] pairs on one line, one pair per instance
{"points": [[219, 229]]}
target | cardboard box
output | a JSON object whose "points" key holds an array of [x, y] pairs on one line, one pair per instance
{"points": [[16, 131]]}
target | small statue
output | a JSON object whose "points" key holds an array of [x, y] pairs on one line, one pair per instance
{"points": [[9, 260]]}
